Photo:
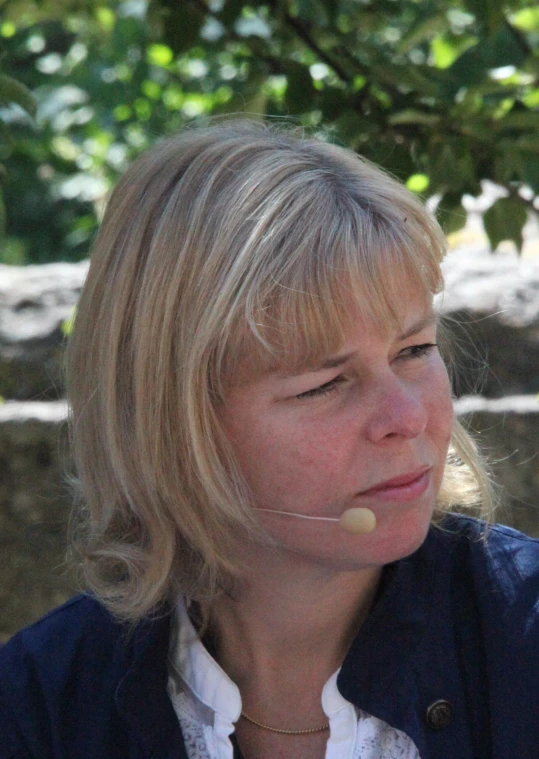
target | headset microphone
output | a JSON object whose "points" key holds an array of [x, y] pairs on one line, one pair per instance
{"points": [[358, 521]]}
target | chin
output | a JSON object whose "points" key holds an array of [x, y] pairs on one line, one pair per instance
{"points": [[399, 535]]}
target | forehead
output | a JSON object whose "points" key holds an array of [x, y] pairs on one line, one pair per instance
{"points": [[352, 325]]}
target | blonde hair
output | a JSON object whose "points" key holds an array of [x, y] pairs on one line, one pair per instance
{"points": [[233, 239]]}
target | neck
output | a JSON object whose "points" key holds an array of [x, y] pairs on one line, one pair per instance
{"points": [[290, 621]]}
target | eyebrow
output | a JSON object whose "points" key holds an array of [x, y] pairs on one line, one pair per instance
{"points": [[427, 321], [334, 361]]}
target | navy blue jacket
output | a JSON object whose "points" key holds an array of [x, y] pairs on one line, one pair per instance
{"points": [[449, 654]]}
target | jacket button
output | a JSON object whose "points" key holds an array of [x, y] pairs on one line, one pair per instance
{"points": [[439, 714]]}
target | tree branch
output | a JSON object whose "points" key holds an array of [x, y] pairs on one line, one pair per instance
{"points": [[303, 33]]}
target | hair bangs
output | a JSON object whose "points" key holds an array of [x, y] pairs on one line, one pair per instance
{"points": [[350, 263]]}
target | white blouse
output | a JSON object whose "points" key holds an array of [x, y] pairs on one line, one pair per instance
{"points": [[208, 704]]}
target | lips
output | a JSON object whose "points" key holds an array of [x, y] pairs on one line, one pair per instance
{"points": [[413, 480]]}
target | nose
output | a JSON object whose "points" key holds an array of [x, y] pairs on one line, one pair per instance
{"points": [[398, 411]]}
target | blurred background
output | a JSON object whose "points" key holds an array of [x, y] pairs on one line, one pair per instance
{"points": [[443, 94]]}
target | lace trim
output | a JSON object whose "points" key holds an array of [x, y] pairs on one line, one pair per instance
{"points": [[196, 721], [376, 739]]}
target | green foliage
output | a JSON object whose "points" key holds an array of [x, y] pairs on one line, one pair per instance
{"points": [[418, 183], [442, 94], [504, 220], [12, 92], [68, 324]]}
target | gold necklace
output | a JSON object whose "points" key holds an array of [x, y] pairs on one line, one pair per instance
{"points": [[286, 732]]}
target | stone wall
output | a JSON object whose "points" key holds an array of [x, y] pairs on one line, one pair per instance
{"points": [[34, 510], [491, 306]]}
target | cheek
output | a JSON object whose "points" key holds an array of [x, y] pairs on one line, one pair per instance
{"points": [[440, 407], [280, 460]]}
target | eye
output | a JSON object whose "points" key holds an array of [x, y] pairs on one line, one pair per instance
{"points": [[325, 389], [418, 351]]}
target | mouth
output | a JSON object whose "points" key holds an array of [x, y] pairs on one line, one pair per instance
{"points": [[405, 487]]}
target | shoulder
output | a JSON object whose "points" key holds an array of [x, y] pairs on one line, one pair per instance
{"points": [[497, 566], [64, 664], [62, 682], [80, 625], [505, 556]]}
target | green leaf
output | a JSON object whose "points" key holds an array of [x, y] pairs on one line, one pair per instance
{"points": [[332, 10], [423, 31], [352, 128], [418, 183], [527, 19], [412, 77], [230, 11], [450, 167], [467, 70], [504, 49], [530, 143], [106, 18], [518, 120], [13, 251], [411, 116], [12, 91], [530, 172], [489, 13], [312, 11], [508, 165], [333, 102], [68, 324], [450, 213], [151, 89], [182, 23], [445, 50], [122, 112], [159, 55], [2, 216], [300, 91], [531, 98], [256, 96], [504, 221], [8, 29]]}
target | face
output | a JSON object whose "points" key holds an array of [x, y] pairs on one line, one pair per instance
{"points": [[369, 427]]}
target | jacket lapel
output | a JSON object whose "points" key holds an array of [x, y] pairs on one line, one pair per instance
{"points": [[409, 655], [141, 697]]}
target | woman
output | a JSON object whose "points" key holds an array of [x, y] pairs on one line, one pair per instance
{"points": [[263, 432]]}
